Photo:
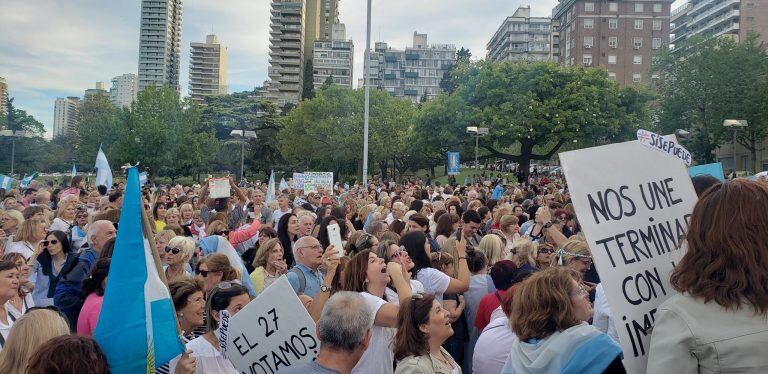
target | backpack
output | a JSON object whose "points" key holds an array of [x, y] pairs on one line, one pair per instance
{"points": [[302, 279]]}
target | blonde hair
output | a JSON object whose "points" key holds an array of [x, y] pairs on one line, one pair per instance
{"points": [[503, 210], [63, 207], [450, 248], [26, 230], [165, 234], [185, 244], [184, 208], [15, 215], [365, 211], [474, 205], [29, 332], [215, 226], [260, 259], [493, 248], [573, 249], [526, 252], [506, 221], [172, 211]]}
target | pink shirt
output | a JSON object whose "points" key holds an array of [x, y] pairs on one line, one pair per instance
{"points": [[89, 315]]}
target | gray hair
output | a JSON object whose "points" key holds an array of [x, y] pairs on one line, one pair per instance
{"points": [[344, 322], [376, 226]]}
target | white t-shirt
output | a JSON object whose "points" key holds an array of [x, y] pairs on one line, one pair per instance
{"points": [[26, 303], [416, 287], [207, 358], [434, 281], [603, 318], [25, 248], [6, 329], [492, 347], [378, 358], [277, 214], [60, 225]]}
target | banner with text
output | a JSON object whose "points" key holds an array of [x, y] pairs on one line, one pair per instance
{"points": [[298, 181], [453, 163], [272, 332], [634, 205], [321, 179]]}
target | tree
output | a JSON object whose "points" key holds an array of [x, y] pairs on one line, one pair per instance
{"points": [[328, 82], [447, 83], [308, 84], [19, 120], [99, 125], [713, 80]]}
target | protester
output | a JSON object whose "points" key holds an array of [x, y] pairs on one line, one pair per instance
{"points": [[265, 234], [215, 268], [306, 277], [422, 328], [23, 300], [11, 221], [390, 251], [288, 232], [418, 222], [446, 225], [56, 255], [478, 288], [189, 303], [161, 241], [68, 354], [65, 217], [268, 265], [717, 321], [9, 288], [27, 240], [345, 333], [178, 252], [493, 248], [68, 295], [549, 314], [229, 296], [29, 332], [93, 289], [434, 281], [501, 275]]}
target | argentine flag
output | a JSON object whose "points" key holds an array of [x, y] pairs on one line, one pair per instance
{"points": [[283, 185], [103, 172], [143, 178], [6, 182], [27, 180], [217, 244], [74, 170], [271, 189], [137, 323]]}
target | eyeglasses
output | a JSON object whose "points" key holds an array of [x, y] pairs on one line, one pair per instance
{"points": [[221, 233], [316, 247], [47, 242], [172, 250], [586, 261]]}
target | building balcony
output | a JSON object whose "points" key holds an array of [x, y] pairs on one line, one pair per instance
{"points": [[412, 56], [390, 76], [411, 92], [410, 74], [715, 23], [710, 8]]}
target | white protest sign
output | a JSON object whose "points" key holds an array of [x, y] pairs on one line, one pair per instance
{"points": [[666, 144], [272, 332], [218, 188], [298, 181], [634, 204], [309, 184], [321, 179]]}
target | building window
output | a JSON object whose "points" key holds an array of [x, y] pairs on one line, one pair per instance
{"points": [[657, 24], [612, 59], [587, 60], [613, 42], [589, 23], [637, 42], [613, 23], [657, 8], [656, 43], [589, 7], [613, 6], [637, 60], [638, 7], [588, 42], [638, 24], [637, 77], [611, 76]]}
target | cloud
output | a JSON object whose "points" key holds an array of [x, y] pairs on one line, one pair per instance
{"points": [[51, 49]]}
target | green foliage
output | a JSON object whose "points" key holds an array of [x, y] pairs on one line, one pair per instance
{"points": [[18, 119], [308, 85], [100, 123], [710, 81], [328, 82]]}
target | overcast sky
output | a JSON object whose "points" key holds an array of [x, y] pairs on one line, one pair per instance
{"points": [[51, 49]]}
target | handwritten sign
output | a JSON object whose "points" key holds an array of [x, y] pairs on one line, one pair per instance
{"points": [[272, 332], [321, 179], [634, 205], [666, 144], [218, 188], [298, 181]]}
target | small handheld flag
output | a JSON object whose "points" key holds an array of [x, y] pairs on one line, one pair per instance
{"points": [[74, 170], [283, 185], [271, 189], [103, 172], [27, 180], [6, 182]]}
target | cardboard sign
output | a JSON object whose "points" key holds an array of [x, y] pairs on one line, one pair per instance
{"points": [[666, 144], [634, 205], [218, 188], [272, 332], [309, 185], [298, 181]]}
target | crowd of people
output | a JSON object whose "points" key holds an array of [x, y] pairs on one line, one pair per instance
{"points": [[488, 277]]}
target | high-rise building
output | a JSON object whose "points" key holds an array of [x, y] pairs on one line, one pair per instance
{"points": [[66, 115], [160, 43], [286, 52], [99, 89], [521, 37], [207, 69], [334, 58], [412, 73], [123, 92], [3, 96], [731, 18], [622, 36], [329, 16]]}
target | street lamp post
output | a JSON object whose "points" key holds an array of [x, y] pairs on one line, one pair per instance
{"points": [[477, 132], [13, 135], [245, 135], [735, 124]]}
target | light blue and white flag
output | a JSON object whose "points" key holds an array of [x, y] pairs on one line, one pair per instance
{"points": [[137, 323], [270, 197], [27, 180], [103, 171], [217, 244], [74, 170], [142, 178], [283, 185], [6, 182]]}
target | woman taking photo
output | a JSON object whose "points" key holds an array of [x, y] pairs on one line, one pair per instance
{"points": [[55, 255], [367, 274], [287, 232], [27, 240], [422, 328], [93, 289], [65, 217], [9, 288], [268, 265], [229, 296], [722, 277], [435, 281], [549, 314], [189, 302], [390, 251], [178, 252]]}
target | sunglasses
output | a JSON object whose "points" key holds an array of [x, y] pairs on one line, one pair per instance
{"points": [[47, 242], [546, 250], [221, 233], [172, 250]]}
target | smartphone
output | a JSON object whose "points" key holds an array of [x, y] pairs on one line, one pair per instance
{"points": [[334, 236]]}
